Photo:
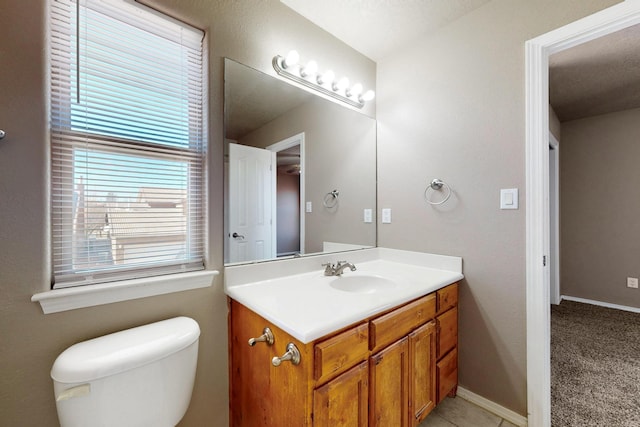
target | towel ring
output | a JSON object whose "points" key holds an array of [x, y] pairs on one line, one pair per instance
{"points": [[331, 199], [436, 185]]}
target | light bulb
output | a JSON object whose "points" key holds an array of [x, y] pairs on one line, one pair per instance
{"points": [[292, 59], [368, 96], [309, 69], [327, 77], [355, 90], [341, 85]]}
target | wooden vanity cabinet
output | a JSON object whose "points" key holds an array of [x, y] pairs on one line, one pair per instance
{"points": [[389, 370]]}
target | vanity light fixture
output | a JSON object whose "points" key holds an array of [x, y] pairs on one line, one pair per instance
{"points": [[324, 83], [291, 60], [309, 69], [355, 90]]}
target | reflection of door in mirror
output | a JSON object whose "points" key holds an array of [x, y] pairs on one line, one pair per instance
{"points": [[252, 228], [289, 195]]}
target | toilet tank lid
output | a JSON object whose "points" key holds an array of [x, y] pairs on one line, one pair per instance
{"points": [[121, 351]]}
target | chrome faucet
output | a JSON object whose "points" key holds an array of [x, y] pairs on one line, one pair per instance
{"points": [[337, 270]]}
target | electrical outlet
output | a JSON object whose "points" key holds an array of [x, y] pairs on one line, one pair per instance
{"points": [[632, 282]]}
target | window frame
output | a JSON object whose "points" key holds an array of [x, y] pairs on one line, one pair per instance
{"points": [[63, 185]]}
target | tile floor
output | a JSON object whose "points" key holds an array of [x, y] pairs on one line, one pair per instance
{"points": [[457, 412]]}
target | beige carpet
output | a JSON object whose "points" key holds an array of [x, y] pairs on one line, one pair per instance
{"points": [[595, 366]]}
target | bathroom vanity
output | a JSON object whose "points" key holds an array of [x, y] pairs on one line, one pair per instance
{"points": [[374, 347]]}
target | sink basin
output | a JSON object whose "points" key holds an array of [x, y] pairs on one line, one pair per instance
{"points": [[362, 284]]}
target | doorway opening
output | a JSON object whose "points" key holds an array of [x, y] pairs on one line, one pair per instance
{"points": [[289, 195], [538, 50]]}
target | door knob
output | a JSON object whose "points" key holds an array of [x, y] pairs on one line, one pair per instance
{"points": [[237, 236]]}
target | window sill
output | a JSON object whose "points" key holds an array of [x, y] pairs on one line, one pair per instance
{"points": [[58, 300]]}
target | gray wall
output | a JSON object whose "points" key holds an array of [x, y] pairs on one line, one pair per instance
{"points": [[599, 226], [288, 221], [251, 32], [452, 105]]}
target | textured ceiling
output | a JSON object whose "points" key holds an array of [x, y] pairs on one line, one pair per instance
{"points": [[376, 27], [597, 77]]}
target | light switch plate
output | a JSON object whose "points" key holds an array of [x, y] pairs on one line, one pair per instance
{"points": [[386, 216], [368, 215], [509, 198]]}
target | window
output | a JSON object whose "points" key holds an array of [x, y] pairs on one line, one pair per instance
{"points": [[127, 141]]}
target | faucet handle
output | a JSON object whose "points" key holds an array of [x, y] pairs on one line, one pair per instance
{"points": [[329, 269]]}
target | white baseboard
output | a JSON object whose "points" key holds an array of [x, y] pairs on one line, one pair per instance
{"points": [[492, 407], [601, 304]]}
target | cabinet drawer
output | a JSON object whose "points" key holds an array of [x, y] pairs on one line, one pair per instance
{"points": [[447, 373], [447, 327], [392, 326], [341, 352], [447, 297]]}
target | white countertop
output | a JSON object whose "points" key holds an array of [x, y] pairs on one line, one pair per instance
{"points": [[297, 297]]}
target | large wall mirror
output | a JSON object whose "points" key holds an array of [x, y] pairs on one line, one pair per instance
{"points": [[300, 171]]}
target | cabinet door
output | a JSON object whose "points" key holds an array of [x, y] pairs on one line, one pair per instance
{"points": [[263, 395], [422, 372], [343, 401], [388, 387]]}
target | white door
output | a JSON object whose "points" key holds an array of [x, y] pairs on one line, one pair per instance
{"points": [[251, 186]]}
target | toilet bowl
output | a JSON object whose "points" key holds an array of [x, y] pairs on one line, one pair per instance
{"points": [[137, 377]]}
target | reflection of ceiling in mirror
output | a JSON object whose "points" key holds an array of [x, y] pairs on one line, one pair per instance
{"points": [[258, 98]]}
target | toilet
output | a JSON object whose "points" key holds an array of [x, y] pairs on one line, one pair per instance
{"points": [[137, 377]]}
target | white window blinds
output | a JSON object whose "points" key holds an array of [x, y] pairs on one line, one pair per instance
{"points": [[127, 141]]}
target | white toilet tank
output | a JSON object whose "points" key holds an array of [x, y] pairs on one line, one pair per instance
{"points": [[138, 377]]}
